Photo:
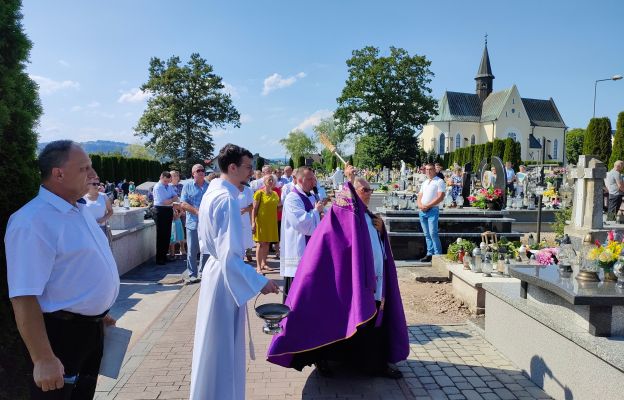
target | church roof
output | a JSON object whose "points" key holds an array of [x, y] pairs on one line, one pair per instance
{"points": [[485, 69], [494, 104], [456, 106], [543, 113], [466, 107]]}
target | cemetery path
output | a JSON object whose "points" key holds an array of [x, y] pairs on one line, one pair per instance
{"points": [[448, 360]]}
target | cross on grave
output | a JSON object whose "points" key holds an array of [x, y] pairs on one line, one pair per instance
{"points": [[589, 176]]}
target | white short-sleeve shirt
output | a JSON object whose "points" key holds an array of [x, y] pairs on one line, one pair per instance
{"points": [[56, 252], [430, 189]]}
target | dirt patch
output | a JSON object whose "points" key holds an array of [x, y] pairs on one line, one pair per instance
{"points": [[430, 303]]}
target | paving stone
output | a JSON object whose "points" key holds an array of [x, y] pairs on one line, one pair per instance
{"points": [[444, 381], [476, 381], [451, 390], [490, 396], [463, 385], [472, 395], [457, 397], [483, 390], [504, 394]]}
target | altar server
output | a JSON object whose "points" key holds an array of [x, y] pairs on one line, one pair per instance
{"points": [[218, 370]]}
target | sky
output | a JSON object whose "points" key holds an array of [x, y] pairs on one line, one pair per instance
{"points": [[283, 62]]}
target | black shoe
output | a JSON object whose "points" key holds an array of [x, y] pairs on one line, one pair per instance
{"points": [[391, 372], [323, 369], [425, 259]]}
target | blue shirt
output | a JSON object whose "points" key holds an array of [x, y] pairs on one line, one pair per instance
{"points": [[192, 194], [163, 193]]}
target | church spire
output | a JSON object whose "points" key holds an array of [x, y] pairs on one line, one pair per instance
{"points": [[484, 76]]}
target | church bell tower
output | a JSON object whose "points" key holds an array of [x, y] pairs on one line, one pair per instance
{"points": [[484, 76]]}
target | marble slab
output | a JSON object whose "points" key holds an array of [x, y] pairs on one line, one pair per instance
{"points": [[567, 287]]}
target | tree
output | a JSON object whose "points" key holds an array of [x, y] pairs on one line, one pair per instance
{"points": [[487, 152], [301, 161], [498, 148], [334, 132], [387, 99], [617, 152], [298, 144], [186, 104], [509, 151], [291, 163], [139, 151], [597, 139], [260, 163], [19, 112], [574, 145]]}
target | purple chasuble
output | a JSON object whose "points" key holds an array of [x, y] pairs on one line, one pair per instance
{"points": [[334, 290]]}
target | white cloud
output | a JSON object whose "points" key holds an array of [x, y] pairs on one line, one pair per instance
{"points": [[134, 95], [314, 119], [49, 86], [231, 90], [245, 118], [218, 133], [276, 81], [64, 63]]}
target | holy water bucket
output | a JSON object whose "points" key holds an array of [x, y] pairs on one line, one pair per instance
{"points": [[272, 314]]}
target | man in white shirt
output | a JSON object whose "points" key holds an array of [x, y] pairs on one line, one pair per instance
{"points": [[288, 174], [164, 197], [615, 186], [62, 291], [218, 370], [338, 178], [510, 174], [431, 194], [300, 216], [287, 188]]}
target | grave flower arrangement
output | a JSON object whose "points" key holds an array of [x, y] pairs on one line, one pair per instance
{"points": [[484, 196], [137, 200], [606, 255], [547, 256]]}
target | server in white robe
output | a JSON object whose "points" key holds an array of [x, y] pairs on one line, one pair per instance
{"points": [[218, 370], [300, 216]]}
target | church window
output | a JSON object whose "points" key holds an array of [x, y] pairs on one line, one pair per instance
{"points": [[473, 140], [513, 110], [513, 100], [513, 136], [458, 141], [441, 144], [555, 148]]}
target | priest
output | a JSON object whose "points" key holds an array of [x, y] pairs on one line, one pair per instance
{"points": [[301, 215], [218, 370], [345, 300]]}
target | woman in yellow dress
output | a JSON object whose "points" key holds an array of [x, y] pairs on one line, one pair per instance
{"points": [[264, 221]]}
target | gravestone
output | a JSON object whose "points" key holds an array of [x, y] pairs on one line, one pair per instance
{"points": [[385, 175], [587, 205]]}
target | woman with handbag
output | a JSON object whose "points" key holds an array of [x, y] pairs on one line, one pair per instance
{"points": [[264, 221]]}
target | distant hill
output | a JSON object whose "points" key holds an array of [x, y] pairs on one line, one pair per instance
{"points": [[97, 146]]}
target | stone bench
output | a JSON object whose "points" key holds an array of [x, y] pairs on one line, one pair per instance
{"points": [[467, 285]]}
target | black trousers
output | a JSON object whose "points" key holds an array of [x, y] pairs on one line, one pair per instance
{"points": [[287, 284], [163, 217], [614, 204], [78, 344]]}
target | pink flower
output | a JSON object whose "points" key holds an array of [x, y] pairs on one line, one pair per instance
{"points": [[472, 199], [611, 235]]}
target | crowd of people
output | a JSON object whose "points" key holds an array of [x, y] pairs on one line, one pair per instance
{"points": [[61, 322]]}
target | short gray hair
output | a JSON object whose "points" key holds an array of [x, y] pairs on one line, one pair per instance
{"points": [[54, 155], [359, 182]]}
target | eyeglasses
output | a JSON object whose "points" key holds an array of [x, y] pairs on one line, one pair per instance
{"points": [[94, 184], [201, 170], [367, 190], [428, 169]]}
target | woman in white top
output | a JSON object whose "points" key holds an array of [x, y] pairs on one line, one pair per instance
{"points": [[98, 204]]}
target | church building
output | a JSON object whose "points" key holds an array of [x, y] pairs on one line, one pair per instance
{"points": [[465, 119]]}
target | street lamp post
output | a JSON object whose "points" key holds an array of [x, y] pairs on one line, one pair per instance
{"points": [[613, 78]]}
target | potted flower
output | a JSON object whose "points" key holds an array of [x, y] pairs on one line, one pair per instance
{"points": [[489, 198], [605, 256]]}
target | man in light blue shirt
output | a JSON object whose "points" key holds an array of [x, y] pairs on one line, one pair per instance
{"points": [[191, 198]]}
